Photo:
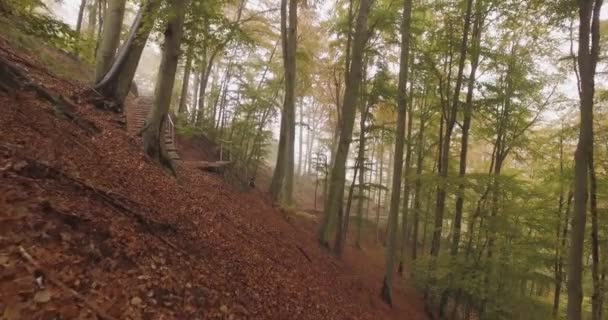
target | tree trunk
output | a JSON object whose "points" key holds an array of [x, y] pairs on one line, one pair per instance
{"points": [[183, 101], [281, 186], [351, 95], [117, 82], [361, 163], [195, 86], [342, 232], [598, 294], [110, 39], [92, 23], [588, 52], [301, 139], [418, 186], [379, 181], [83, 4], [445, 147], [405, 228], [152, 133], [466, 125], [393, 215]]}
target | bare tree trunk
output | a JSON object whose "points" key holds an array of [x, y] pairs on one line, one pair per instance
{"points": [[361, 163], [351, 95], [110, 39], [342, 231], [83, 5], [405, 228], [393, 216], [117, 81], [301, 139], [588, 52], [152, 133], [281, 186], [92, 23], [418, 186], [195, 86], [380, 175], [186, 83], [466, 125], [445, 147], [598, 295]]}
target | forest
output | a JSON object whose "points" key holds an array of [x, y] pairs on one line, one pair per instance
{"points": [[469, 138]]}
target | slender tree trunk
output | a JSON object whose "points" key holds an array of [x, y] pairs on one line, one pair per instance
{"points": [[418, 186], [466, 125], [598, 294], [152, 133], [559, 269], [282, 179], [118, 80], [340, 240], [186, 83], [450, 114], [110, 38], [83, 5], [310, 139], [351, 95], [393, 222], [588, 52], [361, 163], [204, 78], [195, 86], [405, 227], [445, 147], [101, 14], [92, 23], [301, 139], [380, 186]]}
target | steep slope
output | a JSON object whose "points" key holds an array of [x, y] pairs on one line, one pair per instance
{"points": [[89, 228]]}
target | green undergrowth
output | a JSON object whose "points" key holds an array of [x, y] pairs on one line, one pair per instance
{"points": [[51, 42]]}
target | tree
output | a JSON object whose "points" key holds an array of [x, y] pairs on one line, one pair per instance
{"points": [[83, 5], [152, 133], [117, 81], [186, 83], [282, 179], [110, 39], [351, 95], [398, 155], [588, 53]]}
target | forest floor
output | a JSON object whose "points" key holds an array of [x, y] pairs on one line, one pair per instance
{"points": [[91, 229]]}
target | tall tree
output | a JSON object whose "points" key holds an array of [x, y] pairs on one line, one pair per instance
{"points": [[349, 102], [393, 222], [83, 5], [108, 44], [186, 82], [588, 53], [152, 133], [281, 186], [117, 81]]}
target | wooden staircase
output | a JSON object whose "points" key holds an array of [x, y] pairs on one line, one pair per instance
{"points": [[136, 118]]}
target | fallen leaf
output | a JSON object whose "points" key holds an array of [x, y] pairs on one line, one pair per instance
{"points": [[43, 296], [136, 301], [224, 309]]}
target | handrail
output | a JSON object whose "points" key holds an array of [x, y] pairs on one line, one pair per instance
{"points": [[171, 128]]}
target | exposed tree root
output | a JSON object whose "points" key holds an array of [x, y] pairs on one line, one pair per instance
{"points": [[13, 78], [52, 279]]}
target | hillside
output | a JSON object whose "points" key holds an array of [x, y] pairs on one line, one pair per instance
{"points": [[91, 229]]}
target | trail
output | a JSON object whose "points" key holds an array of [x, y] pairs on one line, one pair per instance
{"points": [[90, 228]]}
